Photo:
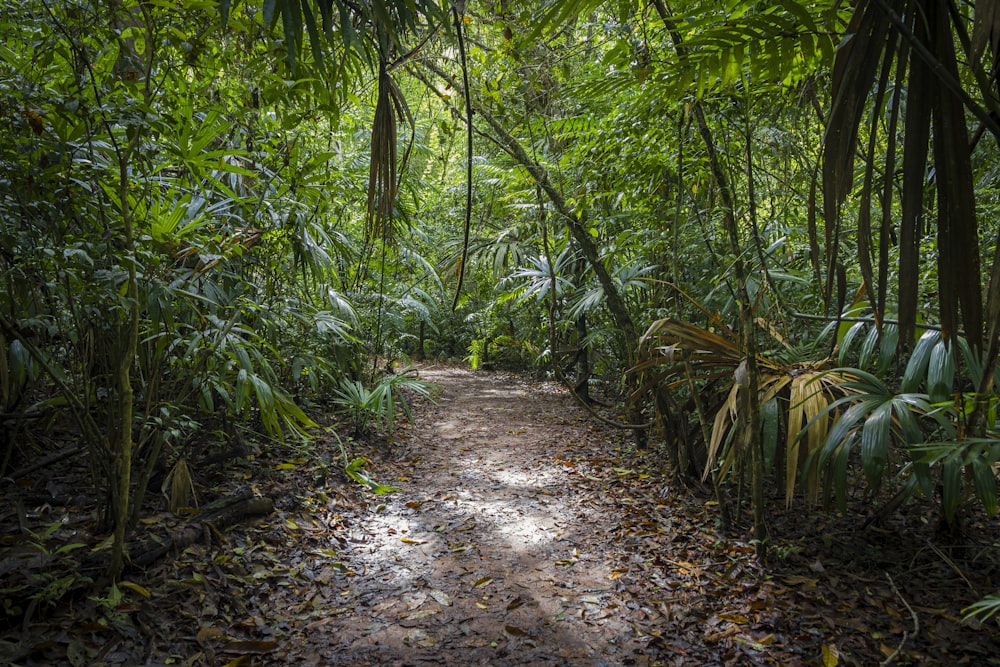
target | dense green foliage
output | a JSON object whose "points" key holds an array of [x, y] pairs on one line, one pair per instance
{"points": [[225, 217]]}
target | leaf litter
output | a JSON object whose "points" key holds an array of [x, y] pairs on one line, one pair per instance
{"points": [[522, 533]]}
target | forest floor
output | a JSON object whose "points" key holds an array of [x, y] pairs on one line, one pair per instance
{"points": [[523, 533]]}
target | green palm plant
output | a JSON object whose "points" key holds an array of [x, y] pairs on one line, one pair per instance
{"points": [[794, 396], [376, 406], [925, 429], [870, 416]]}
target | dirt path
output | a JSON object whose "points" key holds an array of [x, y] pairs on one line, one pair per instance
{"points": [[499, 549], [524, 533]]}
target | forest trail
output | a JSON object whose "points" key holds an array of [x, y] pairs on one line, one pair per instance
{"points": [[527, 533], [501, 549], [523, 532]]}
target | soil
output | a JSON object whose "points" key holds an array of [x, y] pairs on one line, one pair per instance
{"points": [[501, 551], [523, 532]]}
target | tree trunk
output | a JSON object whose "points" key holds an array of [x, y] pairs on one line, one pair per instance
{"points": [[582, 388], [576, 224], [749, 381]]}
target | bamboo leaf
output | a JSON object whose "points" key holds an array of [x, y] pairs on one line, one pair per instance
{"points": [[268, 10]]}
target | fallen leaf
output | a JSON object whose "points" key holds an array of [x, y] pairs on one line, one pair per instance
{"points": [[796, 580], [513, 630], [407, 540], [441, 597], [831, 656], [515, 603], [735, 618], [208, 634], [255, 646], [141, 590], [482, 582]]}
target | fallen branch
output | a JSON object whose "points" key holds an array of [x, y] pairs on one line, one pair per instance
{"points": [[906, 636], [218, 515], [45, 462]]}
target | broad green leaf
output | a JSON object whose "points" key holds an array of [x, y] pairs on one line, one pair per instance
{"points": [[916, 367], [986, 483], [940, 373], [769, 432], [847, 340], [875, 442], [268, 10], [887, 348], [868, 349], [951, 486]]}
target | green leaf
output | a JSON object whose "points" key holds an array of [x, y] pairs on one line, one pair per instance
{"points": [[355, 472], [848, 338], [887, 348], [769, 431], [940, 373], [987, 607], [291, 22], [839, 471], [951, 483], [313, 30], [268, 10], [916, 367], [986, 484], [868, 348], [875, 442]]}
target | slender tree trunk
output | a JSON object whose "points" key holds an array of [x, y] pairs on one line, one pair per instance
{"points": [[747, 379], [576, 224], [582, 359], [121, 435], [421, 355], [747, 374]]}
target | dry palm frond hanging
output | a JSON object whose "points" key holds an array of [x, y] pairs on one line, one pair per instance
{"points": [[911, 44], [383, 181]]}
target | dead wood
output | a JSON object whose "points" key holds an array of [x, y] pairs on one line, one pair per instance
{"points": [[217, 516], [46, 462]]}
